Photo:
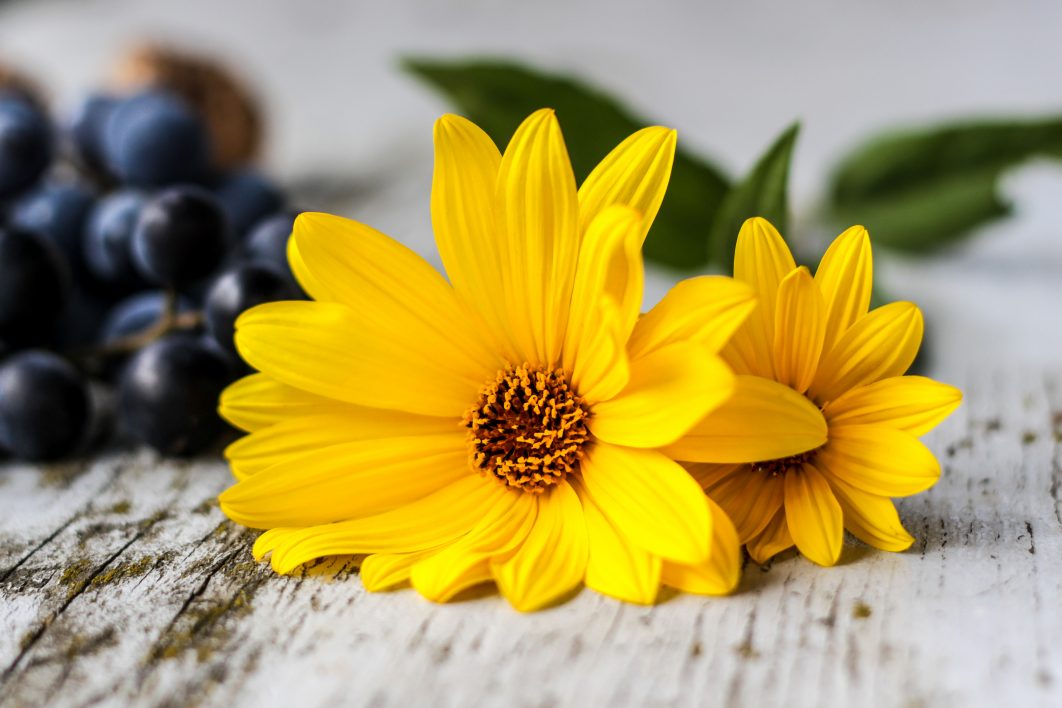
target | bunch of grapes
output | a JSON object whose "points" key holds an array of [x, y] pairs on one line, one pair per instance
{"points": [[132, 236]]}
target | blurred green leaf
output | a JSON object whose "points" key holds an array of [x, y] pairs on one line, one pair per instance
{"points": [[919, 190], [932, 215], [498, 95], [763, 192]]}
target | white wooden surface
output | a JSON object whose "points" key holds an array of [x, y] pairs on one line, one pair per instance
{"points": [[121, 583]]}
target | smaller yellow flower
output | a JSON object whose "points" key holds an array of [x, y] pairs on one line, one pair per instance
{"points": [[823, 429]]}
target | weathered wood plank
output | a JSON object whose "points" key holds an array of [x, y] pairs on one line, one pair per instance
{"points": [[121, 583]]}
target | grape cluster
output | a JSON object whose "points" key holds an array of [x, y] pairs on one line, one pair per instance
{"points": [[126, 255]]}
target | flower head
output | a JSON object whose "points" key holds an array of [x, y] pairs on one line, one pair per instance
{"points": [[823, 429], [502, 426]]}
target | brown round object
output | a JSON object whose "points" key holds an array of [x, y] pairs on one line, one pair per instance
{"points": [[18, 83], [231, 113]]}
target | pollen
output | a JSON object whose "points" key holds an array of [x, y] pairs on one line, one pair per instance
{"points": [[528, 428]]}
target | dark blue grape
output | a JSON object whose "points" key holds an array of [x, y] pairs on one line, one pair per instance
{"points": [[137, 313], [248, 197], [181, 236], [268, 242], [44, 406], [236, 366], [153, 139], [86, 128], [58, 212], [25, 144], [34, 286], [79, 325], [108, 239], [168, 395], [240, 289]]}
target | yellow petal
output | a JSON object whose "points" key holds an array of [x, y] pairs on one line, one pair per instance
{"points": [[706, 310], [465, 574], [650, 499], [383, 571], [463, 218], [322, 348], [772, 540], [881, 345], [800, 318], [871, 518], [466, 571], [610, 266], [295, 437], [879, 460], [432, 521], [303, 275], [813, 515], [552, 560], [721, 572], [750, 498], [761, 259], [465, 562], [763, 420], [269, 540], [669, 391], [634, 174], [601, 368], [750, 352], [616, 567], [538, 218], [348, 480], [911, 403], [845, 277], [395, 293], [282, 442], [258, 401], [706, 473]]}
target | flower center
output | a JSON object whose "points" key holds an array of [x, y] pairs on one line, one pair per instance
{"points": [[528, 428], [783, 465]]}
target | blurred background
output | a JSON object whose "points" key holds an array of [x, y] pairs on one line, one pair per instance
{"points": [[349, 131]]}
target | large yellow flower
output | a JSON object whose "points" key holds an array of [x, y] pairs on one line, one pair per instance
{"points": [[823, 377], [503, 425]]}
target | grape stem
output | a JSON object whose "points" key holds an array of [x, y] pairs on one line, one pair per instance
{"points": [[169, 321]]}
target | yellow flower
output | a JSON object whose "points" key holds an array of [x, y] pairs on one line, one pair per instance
{"points": [[823, 378], [502, 426]]}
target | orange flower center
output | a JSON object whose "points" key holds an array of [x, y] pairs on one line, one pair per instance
{"points": [[528, 428]]}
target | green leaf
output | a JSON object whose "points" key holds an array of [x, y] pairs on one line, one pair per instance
{"points": [[929, 216], [498, 95], [763, 192], [919, 190]]}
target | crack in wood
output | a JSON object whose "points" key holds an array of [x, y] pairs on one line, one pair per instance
{"points": [[79, 513], [198, 591], [48, 539], [80, 587]]}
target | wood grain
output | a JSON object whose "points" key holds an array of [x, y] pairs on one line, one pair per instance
{"points": [[121, 583]]}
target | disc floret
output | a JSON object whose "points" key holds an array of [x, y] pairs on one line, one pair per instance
{"points": [[528, 428]]}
